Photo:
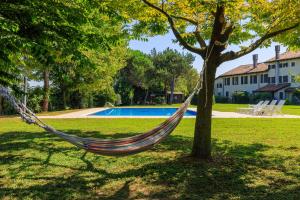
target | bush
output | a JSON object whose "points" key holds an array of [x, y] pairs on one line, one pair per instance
{"points": [[159, 100], [221, 99], [256, 97], [35, 98], [240, 97]]}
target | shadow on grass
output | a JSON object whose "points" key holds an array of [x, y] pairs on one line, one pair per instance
{"points": [[237, 171]]}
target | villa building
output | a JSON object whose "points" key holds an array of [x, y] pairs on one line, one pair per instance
{"points": [[275, 76]]}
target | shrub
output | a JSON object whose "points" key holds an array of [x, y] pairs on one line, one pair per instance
{"points": [[159, 100], [221, 99], [240, 97], [256, 97], [35, 98]]}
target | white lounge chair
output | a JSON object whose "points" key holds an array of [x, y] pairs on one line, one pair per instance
{"points": [[269, 109], [278, 107], [250, 109], [259, 110]]}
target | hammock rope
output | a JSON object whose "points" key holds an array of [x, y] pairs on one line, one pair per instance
{"points": [[112, 147]]}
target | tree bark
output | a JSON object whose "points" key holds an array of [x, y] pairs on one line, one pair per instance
{"points": [[172, 90], [202, 134], [1, 105], [146, 96], [46, 90], [64, 98]]}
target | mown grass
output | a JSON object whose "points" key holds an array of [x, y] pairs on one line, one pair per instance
{"points": [[287, 109], [59, 112], [252, 159]]}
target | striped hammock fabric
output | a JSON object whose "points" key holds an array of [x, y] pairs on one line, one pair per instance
{"points": [[111, 147]]}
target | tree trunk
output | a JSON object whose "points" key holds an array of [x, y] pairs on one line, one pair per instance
{"points": [[166, 92], [172, 90], [1, 105], [46, 90], [146, 96], [202, 134], [64, 98]]}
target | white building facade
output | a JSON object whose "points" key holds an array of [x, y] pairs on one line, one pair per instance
{"points": [[275, 76]]}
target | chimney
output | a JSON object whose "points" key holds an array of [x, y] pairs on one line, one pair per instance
{"points": [[255, 59], [277, 51]]}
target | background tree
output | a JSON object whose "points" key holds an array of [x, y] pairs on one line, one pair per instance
{"points": [[51, 29], [137, 74], [171, 65], [206, 28]]}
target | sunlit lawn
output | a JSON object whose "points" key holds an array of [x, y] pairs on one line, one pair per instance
{"points": [[287, 109], [252, 159]]}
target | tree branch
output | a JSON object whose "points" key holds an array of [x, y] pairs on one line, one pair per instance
{"points": [[231, 55], [189, 47], [199, 38], [185, 19]]}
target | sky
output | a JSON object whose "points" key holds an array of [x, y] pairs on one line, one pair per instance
{"points": [[165, 41]]}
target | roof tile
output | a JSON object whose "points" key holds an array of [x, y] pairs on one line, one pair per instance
{"points": [[272, 87], [286, 56], [246, 69]]}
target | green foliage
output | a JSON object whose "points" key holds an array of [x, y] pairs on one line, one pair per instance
{"points": [[240, 97], [35, 96], [138, 73], [50, 31], [250, 19], [221, 99], [256, 97]]}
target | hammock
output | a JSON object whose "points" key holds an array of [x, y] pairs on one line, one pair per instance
{"points": [[111, 147]]}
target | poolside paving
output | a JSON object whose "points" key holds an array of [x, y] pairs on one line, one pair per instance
{"points": [[215, 114]]}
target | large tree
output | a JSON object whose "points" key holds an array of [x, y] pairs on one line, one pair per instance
{"points": [[137, 74], [49, 30], [207, 28], [171, 65]]}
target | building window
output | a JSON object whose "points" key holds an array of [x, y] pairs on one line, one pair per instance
{"points": [[253, 79], [280, 65], [235, 80], [273, 66], [227, 81], [219, 85], [285, 64], [246, 79], [293, 64], [269, 67], [261, 78], [266, 78], [273, 80], [227, 94], [280, 79], [285, 79], [219, 93]]}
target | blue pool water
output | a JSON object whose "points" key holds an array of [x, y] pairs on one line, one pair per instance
{"points": [[140, 112]]}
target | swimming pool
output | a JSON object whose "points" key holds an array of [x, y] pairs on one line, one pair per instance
{"points": [[131, 112]]}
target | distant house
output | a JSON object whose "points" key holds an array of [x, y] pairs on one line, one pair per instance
{"points": [[178, 97], [275, 76]]}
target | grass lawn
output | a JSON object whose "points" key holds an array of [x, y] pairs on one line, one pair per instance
{"points": [[287, 109], [252, 159], [60, 112]]}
